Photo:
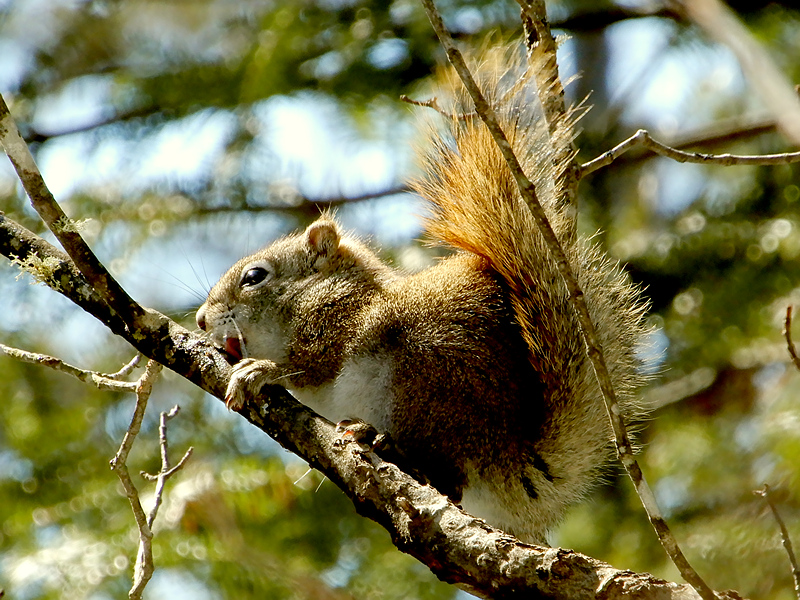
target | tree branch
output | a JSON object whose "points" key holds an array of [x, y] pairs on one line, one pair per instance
{"points": [[642, 138], [306, 207], [716, 134], [166, 470], [540, 39], [155, 335], [594, 350], [33, 136], [787, 331], [434, 104], [100, 381], [62, 227], [143, 569], [724, 132]]}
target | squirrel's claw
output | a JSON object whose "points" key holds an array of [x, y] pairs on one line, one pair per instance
{"points": [[248, 377], [357, 430]]}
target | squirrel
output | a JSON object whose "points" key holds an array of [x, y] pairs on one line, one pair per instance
{"points": [[475, 366]]}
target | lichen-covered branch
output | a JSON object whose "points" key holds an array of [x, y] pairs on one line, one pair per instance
{"points": [[57, 221]]}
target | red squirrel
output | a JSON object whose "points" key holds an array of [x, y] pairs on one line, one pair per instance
{"points": [[474, 367]]}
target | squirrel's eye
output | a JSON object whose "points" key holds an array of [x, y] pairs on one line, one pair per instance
{"points": [[253, 276]]}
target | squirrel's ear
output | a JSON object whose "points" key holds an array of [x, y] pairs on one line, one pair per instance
{"points": [[323, 238]]}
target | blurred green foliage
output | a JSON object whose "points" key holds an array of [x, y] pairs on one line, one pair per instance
{"points": [[190, 133]]}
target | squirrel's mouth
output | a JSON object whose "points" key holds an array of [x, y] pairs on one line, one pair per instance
{"points": [[233, 349]]}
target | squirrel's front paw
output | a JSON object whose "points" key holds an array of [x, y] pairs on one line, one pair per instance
{"points": [[249, 376]]}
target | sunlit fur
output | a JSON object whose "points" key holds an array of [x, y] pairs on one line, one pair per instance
{"points": [[475, 367]]}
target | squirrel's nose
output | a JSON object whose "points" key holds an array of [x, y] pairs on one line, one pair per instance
{"points": [[201, 317]]}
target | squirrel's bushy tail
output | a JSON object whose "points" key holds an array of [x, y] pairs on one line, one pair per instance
{"points": [[476, 206]]}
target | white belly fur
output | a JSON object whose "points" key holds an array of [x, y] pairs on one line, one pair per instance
{"points": [[362, 390]]}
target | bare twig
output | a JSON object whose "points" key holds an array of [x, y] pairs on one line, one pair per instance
{"points": [[723, 132], [785, 539], [143, 569], [642, 138], [126, 369], [99, 380], [787, 331], [434, 104], [766, 80], [57, 221], [594, 350], [166, 471], [714, 135]]}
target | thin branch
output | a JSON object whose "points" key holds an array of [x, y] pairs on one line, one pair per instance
{"points": [[787, 331], [610, 156], [57, 221], [54, 269], [540, 39], [642, 138], [143, 569], [716, 134], [166, 471], [434, 104], [785, 539], [99, 380], [724, 131], [725, 160], [594, 351], [144, 563], [126, 369]]}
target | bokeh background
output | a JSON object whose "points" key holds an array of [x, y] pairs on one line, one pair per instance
{"points": [[192, 132]]}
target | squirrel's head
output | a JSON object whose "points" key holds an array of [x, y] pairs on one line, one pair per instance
{"points": [[256, 307]]}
